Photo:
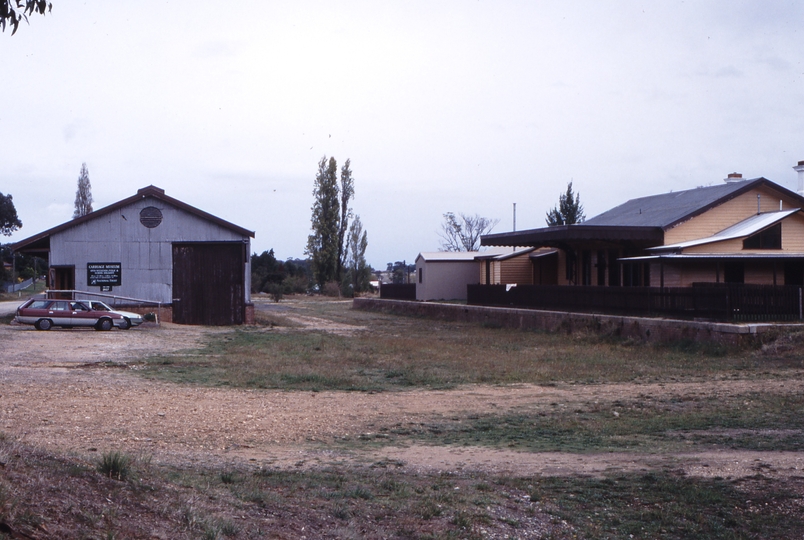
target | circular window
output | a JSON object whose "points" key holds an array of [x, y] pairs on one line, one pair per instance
{"points": [[151, 216]]}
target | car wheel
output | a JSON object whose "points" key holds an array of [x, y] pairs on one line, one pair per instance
{"points": [[125, 324], [43, 324], [104, 324]]}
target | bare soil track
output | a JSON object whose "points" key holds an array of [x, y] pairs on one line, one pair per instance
{"points": [[68, 390]]}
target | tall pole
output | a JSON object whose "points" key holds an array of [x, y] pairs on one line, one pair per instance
{"points": [[514, 217]]}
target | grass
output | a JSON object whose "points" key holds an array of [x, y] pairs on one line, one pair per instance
{"points": [[48, 496], [394, 353], [668, 505], [387, 499], [115, 465], [21, 296], [751, 421]]}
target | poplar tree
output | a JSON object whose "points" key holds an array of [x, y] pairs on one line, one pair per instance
{"points": [[322, 244], [358, 271], [347, 192], [83, 195]]}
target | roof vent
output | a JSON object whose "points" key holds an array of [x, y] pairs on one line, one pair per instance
{"points": [[151, 216], [733, 177]]}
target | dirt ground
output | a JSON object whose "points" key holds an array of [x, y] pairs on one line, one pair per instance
{"points": [[68, 390]]}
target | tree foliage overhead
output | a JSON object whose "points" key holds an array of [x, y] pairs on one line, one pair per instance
{"points": [[12, 12], [9, 222], [322, 244], [83, 194], [462, 232], [569, 210]]}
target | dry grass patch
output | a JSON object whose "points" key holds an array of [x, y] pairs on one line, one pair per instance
{"points": [[400, 352]]}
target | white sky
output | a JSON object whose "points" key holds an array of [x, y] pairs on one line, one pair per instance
{"points": [[463, 106]]}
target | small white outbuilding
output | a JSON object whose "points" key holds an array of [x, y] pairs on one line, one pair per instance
{"points": [[444, 275]]}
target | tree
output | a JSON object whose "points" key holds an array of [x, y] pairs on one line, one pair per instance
{"points": [[400, 271], [83, 195], [462, 232], [9, 222], [569, 210], [347, 192], [330, 221], [322, 245], [14, 11], [358, 272]]}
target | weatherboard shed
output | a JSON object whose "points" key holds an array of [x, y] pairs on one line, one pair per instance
{"points": [[153, 247]]}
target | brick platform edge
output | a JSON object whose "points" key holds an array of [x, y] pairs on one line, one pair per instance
{"points": [[647, 329]]}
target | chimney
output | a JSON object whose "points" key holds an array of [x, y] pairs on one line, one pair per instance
{"points": [[733, 177], [800, 170]]}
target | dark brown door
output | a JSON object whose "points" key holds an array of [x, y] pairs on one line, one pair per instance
{"points": [[208, 283], [545, 270], [62, 278]]}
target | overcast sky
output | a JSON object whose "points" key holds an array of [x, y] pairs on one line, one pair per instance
{"points": [[463, 106]]}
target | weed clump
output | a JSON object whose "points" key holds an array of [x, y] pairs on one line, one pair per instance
{"points": [[115, 465]]}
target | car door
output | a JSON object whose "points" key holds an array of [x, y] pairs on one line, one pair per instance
{"points": [[81, 315], [59, 312]]}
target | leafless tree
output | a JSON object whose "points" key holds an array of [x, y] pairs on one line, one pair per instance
{"points": [[462, 232]]}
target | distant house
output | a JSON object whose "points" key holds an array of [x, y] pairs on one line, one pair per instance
{"points": [[444, 275], [741, 231], [154, 247]]}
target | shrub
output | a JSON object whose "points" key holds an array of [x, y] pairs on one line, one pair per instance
{"points": [[331, 288]]}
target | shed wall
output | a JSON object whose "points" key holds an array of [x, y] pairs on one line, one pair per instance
{"points": [[445, 280], [145, 254]]}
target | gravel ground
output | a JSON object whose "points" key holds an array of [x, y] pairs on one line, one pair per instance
{"points": [[69, 390]]}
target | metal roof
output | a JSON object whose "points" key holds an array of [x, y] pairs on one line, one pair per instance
{"points": [[641, 221], [41, 241], [468, 256], [705, 256], [668, 209], [554, 236], [747, 227], [512, 252]]}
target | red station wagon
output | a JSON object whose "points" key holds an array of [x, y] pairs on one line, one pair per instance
{"points": [[45, 314]]}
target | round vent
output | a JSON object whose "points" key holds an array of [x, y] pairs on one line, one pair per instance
{"points": [[151, 216]]}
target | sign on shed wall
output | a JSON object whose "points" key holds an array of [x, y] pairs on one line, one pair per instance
{"points": [[100, 274]]}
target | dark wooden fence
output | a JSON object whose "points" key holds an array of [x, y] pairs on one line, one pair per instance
{"points": [[719, 302], [398, 291]]}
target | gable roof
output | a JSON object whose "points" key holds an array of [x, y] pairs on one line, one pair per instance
{"points": [[642, 220], [669, 209], [41, 241]]}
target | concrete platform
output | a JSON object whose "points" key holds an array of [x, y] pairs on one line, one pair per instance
{"points": [[644, 328]]}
